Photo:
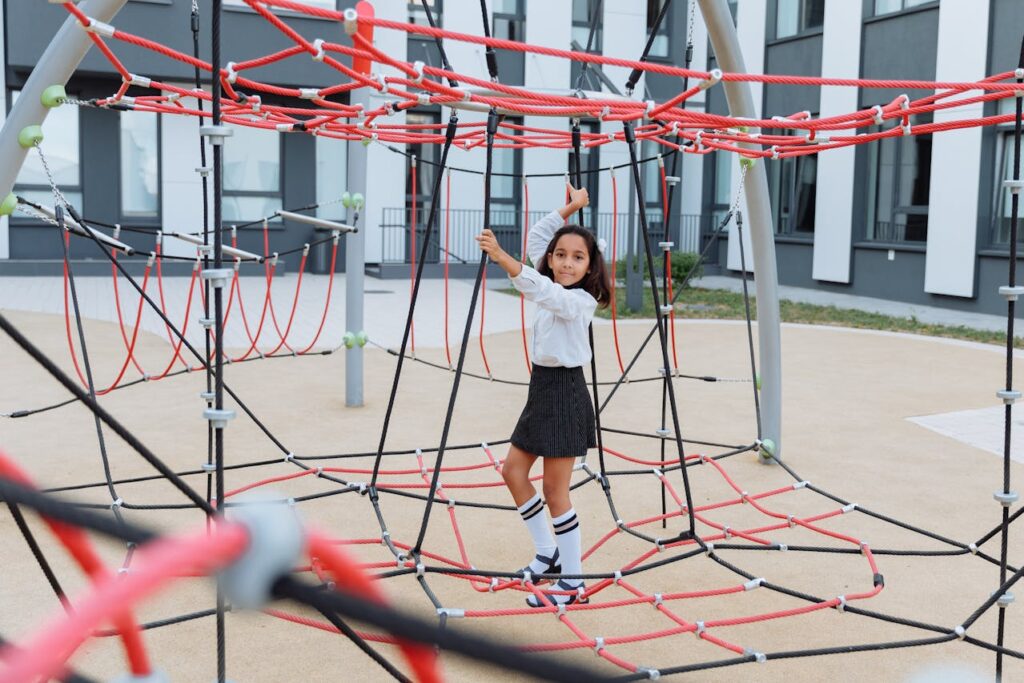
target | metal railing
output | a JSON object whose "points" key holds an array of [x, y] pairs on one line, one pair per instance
{"points": [[465, 224]]}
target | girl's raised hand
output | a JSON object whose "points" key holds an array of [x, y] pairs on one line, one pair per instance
{"points": [[489, 244], [580, 197]]}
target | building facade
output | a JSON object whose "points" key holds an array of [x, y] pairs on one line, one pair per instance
{"points": [[922, 219]]}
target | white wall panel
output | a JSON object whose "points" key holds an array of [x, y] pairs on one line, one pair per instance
{"points": [[833, 217], [956, 155]]}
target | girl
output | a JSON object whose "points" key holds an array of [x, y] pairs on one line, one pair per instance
{"points": [[557, 424]]}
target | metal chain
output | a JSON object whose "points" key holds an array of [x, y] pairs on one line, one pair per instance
{"points": [[78, 103], [739, 189], [689, 30], [57, 194], [38, 215]]}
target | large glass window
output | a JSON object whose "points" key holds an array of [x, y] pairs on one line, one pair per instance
{"points": [[508, 19], [899, 171], [418, 15], [252, 174], [331, 176], [582, 13], [1000, 235], [796, 16], [660, 47], [889, 6], [60, 145], [140, 164], [792, 183]]}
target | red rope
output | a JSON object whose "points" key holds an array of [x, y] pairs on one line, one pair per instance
{"points": [[327, 303]]}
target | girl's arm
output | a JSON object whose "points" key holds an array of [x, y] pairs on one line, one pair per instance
{"points": [[541, 233]]}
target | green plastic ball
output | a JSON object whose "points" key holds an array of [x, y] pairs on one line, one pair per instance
{"points": [[358, 200], [767, 450], [8, 205], [346, 200]]}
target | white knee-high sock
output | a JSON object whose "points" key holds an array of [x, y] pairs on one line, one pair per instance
{"points": [[532, 512], [567, 537]]}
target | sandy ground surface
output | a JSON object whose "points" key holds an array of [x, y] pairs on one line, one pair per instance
{"points": [[847, 397]]}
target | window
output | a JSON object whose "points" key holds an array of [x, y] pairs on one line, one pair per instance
{"points": [[793, 17], [582, 12], [508, 19], [140, 164], [1000, 235], [899, 171], [331, 176], [890, 6], [418, 15], [252, 174], [660, 46], [60, 144], [792, 184]]}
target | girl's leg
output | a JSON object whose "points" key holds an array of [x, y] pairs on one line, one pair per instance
{"points": [[557, 476], [516, 473]]}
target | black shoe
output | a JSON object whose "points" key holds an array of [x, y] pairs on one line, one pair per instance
{"points": [[556, 599], [553, 565]]}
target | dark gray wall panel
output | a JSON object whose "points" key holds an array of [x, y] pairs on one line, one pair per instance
{"points": [[31, 24], [902, 46], [796, 57]]}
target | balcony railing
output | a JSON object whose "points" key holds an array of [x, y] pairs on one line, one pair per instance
{"points": [[465, 224]]}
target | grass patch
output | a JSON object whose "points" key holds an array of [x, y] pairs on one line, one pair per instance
{"points": [[718, 304]]}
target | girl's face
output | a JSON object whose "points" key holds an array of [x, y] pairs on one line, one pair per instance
{"points": [[570, 260]]}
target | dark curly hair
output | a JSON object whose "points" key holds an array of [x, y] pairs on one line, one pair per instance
{"points": [[595, 282]]}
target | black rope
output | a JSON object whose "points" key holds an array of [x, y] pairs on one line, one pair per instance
{"points": [[413, 628], [492, 127], [431, 220], [440, 45], [492, 60], [750, 331], [591, 32], [37, 553], [107, 418], [520, 176], [1004, 540], [660, 321], [634, 76]]}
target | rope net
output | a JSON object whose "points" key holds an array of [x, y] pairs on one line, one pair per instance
{"points": [[741, 517]]}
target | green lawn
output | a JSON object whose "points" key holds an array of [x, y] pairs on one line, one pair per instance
{"points": [[723, 305]]}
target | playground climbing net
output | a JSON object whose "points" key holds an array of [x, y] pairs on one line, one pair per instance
{"points": [[259, 547]]}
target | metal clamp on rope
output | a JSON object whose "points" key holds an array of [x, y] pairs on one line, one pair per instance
{"points": [[663, 433], [451, 612], [667, 246], [208, 396], [204, 170], [849, 508], [1005, 600], [877, 114], [217, 277], [140, 81], [275, 544], [308, 93], [598, 643], [1009, 396], [207, 323], [652, 674], [218, 418], [216, 133], [351, 21], [715, 76], [752, 584], [1006, 499], [841, 605], [673, 180], [232, 74]]}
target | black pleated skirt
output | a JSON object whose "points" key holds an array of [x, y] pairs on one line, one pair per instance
{"points": [[558, 420]]}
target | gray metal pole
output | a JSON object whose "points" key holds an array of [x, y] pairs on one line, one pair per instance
{"points": [[722, 32], [355, 263], [55, 67]]}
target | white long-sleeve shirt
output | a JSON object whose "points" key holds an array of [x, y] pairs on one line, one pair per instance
{"points": [[562, 320]]}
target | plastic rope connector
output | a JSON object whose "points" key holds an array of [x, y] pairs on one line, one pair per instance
{"points": [[276, 540], [140, 81], [451, 612], [658, 599], [714, 76], [652, 674], [232, 74], [841, 605], [709, 548], [617, 578], [318, 45], [1006, 499], [100, 28], [1008, 396], [700, 629], [308, 93], [877, 114], [527, 577], [973, 548], [351, 21], [801, 485], [598, 643], [960, 632], [849, 508], [752, 584]]}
